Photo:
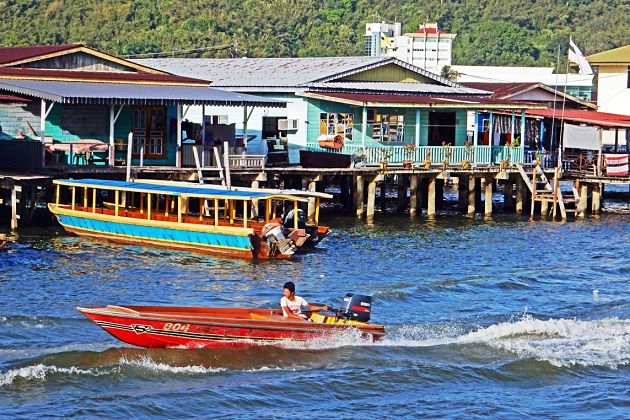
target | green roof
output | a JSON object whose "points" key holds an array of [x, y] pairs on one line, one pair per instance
{"points": [[619, 56]]}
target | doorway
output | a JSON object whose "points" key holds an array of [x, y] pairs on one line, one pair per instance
{"points": [[442, 128]]}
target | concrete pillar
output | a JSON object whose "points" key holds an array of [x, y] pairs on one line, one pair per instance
{"points": [[508, 193], [520, 195], [359, 195], [488, 197], [583, 201], [544, 208], [424, 196], [345, 194], [597, 199], [413, 195], [471, 196], [371, 200], [431, 196], [402, 194]]}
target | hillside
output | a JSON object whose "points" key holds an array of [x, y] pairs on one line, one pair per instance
{"points": [[489, 32]]}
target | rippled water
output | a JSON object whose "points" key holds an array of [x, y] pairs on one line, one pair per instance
{"points": [[503, 318]]}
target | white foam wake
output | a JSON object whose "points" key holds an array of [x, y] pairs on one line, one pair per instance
{"points": [[41, 371], [561, 342], [149, 364]]}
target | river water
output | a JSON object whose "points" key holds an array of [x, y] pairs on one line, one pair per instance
{"points": [[501, 317]]}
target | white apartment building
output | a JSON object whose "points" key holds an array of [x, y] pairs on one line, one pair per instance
{"points": [[429, 47]]}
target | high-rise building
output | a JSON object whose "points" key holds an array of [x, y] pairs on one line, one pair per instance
{"points": [[429, 47]]}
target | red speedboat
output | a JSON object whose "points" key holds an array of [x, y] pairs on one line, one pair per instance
{"points": [[187, 327]]}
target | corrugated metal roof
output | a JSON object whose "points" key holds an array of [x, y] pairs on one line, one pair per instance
{"points": [[601, 119], [511, 74], [454, 101], [13, 98], [275, 72], [11, 54], [509, 90], [96, 76], [397, 87], [619, 56], [132, 94]]}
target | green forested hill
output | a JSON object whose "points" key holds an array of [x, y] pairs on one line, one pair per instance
{"points": [[489, 32]]}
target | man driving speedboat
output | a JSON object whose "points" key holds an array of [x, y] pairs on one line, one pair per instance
{"points": [[292, 305]]}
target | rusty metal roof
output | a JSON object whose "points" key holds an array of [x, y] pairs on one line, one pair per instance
{"points": [[131, 94], [394, 87], [12, 54], [287, 73]]}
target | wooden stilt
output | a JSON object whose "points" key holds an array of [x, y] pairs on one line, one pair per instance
{"points": [[401, 195], [383, 197], [487, 197], [359, 195], [413, 195], [597, 199], [462, 193], [371, 200], [14, 215], [431, 206], [312, 186], [583, 200], [471, 196], [508, 194], [520, 195], [439, 193]]}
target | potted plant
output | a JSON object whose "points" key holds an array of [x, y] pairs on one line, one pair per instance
{"points": [[447, 155], [385, 155], [409, 155], [469, 151], [505, 163], [426, 163]]}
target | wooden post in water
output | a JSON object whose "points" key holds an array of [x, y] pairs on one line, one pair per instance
{"points": [[597, 199], [487, 197], [583, 200], [471, 195], [14, 200], [431, 197], [401, 196], [520, 195], [462, 192], [508, 194], [371, 200], [413, 195], [310, 185], [359, 195], [383, 197], [439, 193]]}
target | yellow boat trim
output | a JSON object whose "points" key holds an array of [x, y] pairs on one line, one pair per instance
{"points": [[227, 230], [151, 240]]}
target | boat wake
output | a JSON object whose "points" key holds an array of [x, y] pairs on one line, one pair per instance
{"points": [[560, 342]]}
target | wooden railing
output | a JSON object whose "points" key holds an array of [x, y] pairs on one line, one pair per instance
{"points": [[479, 155], [247, 161]]}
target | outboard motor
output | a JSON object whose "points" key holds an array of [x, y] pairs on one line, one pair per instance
{"points": [[357, 307], [272, 233]]}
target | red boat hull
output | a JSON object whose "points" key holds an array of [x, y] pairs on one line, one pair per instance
{"points": [[174, 327]]}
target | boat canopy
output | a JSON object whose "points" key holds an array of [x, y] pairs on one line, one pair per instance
{"points": [[175, 190], [276, 191]]}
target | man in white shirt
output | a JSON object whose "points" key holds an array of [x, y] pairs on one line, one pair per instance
{"points": [[292, 305]]}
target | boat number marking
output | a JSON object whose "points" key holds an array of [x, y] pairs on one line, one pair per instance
{"points": [[176, 326]]}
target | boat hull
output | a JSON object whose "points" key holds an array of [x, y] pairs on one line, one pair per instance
{"points": [[192, 328], [226, 241]]}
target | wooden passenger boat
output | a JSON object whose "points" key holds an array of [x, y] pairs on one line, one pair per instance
{"points": [[198, 218], [181, 327]]}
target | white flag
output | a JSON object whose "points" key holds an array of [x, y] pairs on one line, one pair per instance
{"points": [[576, 56]]}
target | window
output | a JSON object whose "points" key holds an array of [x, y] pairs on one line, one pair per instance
{"points": [[338, 123], [389, 128]]}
